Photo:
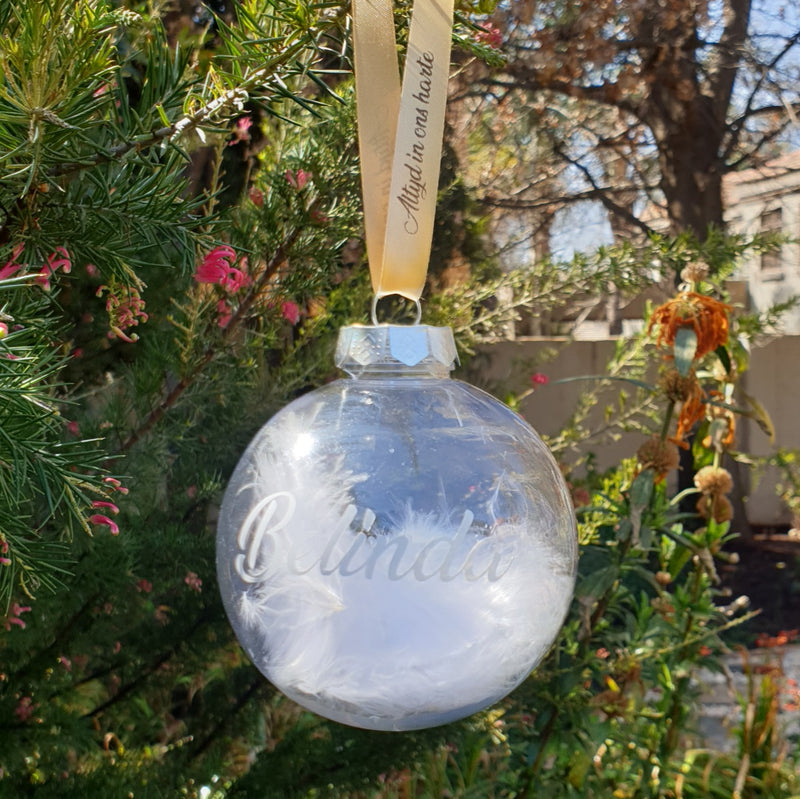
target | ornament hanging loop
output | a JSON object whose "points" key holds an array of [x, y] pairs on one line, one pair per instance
{"points": [[378, 297]]}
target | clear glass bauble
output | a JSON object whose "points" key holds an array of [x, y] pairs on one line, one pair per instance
{"points": [[396, 549]]}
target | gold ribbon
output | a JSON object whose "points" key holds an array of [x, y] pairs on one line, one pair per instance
{"points": [[400, 137]]}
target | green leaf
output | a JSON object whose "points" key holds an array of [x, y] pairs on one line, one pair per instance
{"points": [[640, 495], [724, 357], [642, 489], [761, 417], [684, 350], [596, 584]]}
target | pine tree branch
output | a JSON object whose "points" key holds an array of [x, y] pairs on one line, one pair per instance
{"points": [[154, 665], [232, 97], [62, 635], [278, 259], [242, 700], [235, 97]]}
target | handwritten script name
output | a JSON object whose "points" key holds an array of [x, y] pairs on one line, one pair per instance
{"points": [[265, 539]]}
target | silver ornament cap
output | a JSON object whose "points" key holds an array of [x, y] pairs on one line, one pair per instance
{"points": [[384, 348]]}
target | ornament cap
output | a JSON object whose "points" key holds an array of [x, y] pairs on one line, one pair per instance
{"points": [[416, 349]]}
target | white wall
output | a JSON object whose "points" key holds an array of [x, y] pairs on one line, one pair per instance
{"points": [[773, 378]]}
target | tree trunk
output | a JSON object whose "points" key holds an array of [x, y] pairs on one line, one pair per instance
{"points": [[692, 185]]}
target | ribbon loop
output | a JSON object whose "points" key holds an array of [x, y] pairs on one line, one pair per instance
{"points": [[400, 137]]}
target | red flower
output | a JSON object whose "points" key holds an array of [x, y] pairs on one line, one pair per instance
{"points": [[25, 708], [11, 267], [108, 505], [538, 379], [225, 312], [491, 35], [193, 581], [98, 518], [115, 484], [242, 131], [214, 267], [53, 262], [290, 311], [217, 268], [297, 180], [125, 308], [14, 613], [256, 197]]}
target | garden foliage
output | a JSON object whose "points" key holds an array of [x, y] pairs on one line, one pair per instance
{"points": [[180, 240]]}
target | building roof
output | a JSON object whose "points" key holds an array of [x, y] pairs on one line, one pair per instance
{"points": [[772, 178]]}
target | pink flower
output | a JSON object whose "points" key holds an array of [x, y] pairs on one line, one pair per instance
{"points": [[108, 505], [115, 484], [3, 329], [73, 428], [11, 267], [538, 379], [98, 518], [65, 662], [256, 197], [290, 311], [224, 311], [193, 581], [297, 180], [53, 262], [25, 708], [236, 278], [14, 613], [144, 586], [491, 35], [125, 308], [91, 270], [217, 268], [214, 267], [242, 131]]}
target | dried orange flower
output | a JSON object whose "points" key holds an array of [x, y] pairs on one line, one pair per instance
{"points": [[715, 506], [660, 456], [693, 410], [713, 480], [705, 315]]}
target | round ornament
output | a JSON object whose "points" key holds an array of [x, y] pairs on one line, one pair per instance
{"points": [[397, 549]]}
